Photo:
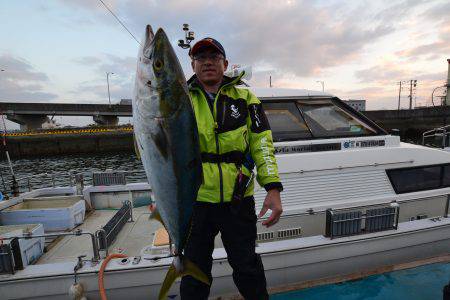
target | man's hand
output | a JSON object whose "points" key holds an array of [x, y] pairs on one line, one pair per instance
{"points": [[272, 202]]}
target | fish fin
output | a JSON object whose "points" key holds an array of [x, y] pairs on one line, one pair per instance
{"points": [[161, 142], [189, 268], [171, 275], [136, 148]]}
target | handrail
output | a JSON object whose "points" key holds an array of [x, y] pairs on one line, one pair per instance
{"points": [[443, 131], [358, 166], [78, 232]]}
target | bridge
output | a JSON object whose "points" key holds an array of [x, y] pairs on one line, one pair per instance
{"points": [[33, 115], [411, 123]]}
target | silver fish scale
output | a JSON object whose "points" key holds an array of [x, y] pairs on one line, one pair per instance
{"points": [[168, 144]]}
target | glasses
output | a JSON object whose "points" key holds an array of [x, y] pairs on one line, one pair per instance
{"points": [[212, 57]]}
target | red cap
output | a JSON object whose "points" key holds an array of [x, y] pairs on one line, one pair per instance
{"points": [[207, 43]]}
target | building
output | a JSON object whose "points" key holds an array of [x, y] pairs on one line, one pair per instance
{"points": [[359, 105]]}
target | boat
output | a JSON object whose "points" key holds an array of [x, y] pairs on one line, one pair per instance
{"points": [[356, 200]]}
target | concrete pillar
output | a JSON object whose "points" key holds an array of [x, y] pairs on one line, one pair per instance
{"points": [[106, 120], [28, 122], [447, 98]]}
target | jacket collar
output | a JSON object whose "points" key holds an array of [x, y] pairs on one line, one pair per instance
{"points": [[232, 81]]}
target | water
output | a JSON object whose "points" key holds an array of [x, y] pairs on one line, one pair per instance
{"points": [[31, 171], [421, 283]]}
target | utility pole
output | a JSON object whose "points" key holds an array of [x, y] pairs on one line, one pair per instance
{"points": [[411, 84], [270, 80], [399, 94]]}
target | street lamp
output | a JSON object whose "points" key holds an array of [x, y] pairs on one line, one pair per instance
{"points": [[107, 81], [323, 85]]}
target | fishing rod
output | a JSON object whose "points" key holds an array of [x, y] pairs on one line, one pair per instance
{"points": [[15, 185]]}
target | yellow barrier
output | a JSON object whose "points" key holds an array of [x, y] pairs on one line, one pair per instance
{"points": [[68, 131]]}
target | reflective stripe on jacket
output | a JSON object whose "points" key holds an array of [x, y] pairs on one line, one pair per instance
{"points": [[237, 123]]}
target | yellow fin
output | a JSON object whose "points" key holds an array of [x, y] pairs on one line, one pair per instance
{"points": [[171, 275], [189, 268]]}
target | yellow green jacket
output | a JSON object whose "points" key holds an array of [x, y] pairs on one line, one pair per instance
{"points": [[236, 123]]}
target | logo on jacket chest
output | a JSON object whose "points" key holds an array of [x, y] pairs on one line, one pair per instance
{"points": [[234, 111]]}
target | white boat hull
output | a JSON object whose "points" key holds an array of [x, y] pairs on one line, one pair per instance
{"points": [[286, 263]]}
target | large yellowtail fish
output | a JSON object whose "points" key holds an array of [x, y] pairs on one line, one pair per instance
{"points": [[167, 141]]}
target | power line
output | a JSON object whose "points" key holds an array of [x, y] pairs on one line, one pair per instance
{"points": [[120, 22]]}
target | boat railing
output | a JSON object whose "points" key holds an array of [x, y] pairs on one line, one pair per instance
{"points": [[10, 253], [108, 233], [59, 179], [345, 222], [440, 136]]}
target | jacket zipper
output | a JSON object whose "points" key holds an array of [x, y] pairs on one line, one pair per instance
{"points": [[217, 136]]}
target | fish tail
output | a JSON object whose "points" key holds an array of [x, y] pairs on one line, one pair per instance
{"points": [[189, 268]]}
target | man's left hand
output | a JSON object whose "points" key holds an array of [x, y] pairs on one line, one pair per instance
{"points": [[272, 202]]}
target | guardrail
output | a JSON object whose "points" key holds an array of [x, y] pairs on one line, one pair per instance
{"points": [[67, 131], [440, 135]]}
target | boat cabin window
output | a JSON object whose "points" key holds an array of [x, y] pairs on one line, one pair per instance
{"points": [[304, 119], [415, 179], [286, 122], [325, 119]]}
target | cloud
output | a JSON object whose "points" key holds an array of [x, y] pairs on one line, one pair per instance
{"points": [[295, 37], [21, 82], [438, 12], [120, 83], [388, 72]]}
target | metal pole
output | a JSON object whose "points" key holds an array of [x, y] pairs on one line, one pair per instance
{"points": [[399, 94], [15, 185], [446, 207], [107, 81]]}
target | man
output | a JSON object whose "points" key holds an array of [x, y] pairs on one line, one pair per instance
{"points": [[234, 136]]}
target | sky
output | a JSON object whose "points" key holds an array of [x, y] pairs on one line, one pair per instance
{"points": [[60, 50]]}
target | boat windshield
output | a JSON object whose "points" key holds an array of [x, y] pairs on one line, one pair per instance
{"points": [[314, 118]]}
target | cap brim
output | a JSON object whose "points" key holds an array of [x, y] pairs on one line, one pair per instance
{"points": [[204, 44]]}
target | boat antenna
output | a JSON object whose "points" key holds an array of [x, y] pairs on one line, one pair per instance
{"points": [[15, 185], [188, 38]]}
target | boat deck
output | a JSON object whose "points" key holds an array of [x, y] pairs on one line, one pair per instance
{"points": [[133, 237]]}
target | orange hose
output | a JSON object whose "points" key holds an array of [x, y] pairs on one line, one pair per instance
{"points": [[101, 287]]}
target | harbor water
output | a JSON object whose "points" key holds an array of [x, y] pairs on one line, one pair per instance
{"points": [[60, 170], [420, 283]]}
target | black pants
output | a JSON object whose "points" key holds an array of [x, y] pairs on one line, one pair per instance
{"points": [[238, 231]]}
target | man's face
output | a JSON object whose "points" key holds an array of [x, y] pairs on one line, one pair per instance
{"points": [[209, 66]]}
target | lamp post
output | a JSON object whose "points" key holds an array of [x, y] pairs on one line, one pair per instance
{"points": [[323, 85], [107, 81]]}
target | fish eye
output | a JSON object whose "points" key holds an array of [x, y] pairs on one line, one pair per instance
{"points": [[158, 64]]}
